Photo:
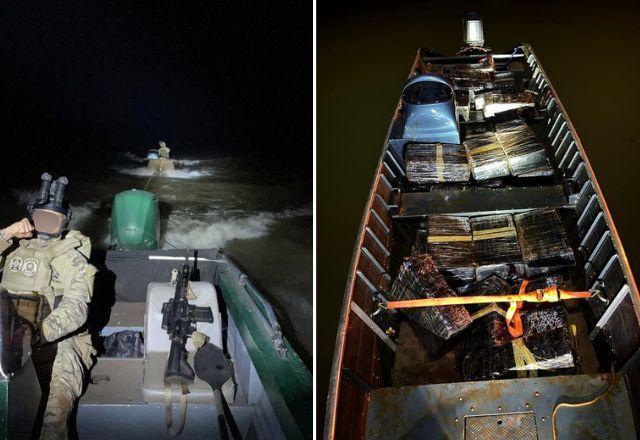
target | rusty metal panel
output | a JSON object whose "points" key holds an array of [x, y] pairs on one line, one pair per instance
{"points": [[443, 410], [516, 426]]}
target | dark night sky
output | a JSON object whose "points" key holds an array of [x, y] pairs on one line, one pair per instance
{"points": [[83, 80]]}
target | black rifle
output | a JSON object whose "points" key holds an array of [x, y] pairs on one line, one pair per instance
{"points": [[179, 319]]}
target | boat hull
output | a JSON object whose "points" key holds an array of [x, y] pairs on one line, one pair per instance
{"points": [[357, 371]]}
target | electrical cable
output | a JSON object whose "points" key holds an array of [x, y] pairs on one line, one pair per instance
{"points": [[612, 382]]}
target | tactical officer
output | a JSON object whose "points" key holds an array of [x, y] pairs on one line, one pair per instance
{"points": [[164, 150], [51, 283]]}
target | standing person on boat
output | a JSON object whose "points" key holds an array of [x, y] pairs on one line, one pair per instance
{"points": [[50, 281], [164, 150]]}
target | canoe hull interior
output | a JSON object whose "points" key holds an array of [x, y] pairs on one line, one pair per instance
{"points": [[376, 378]]}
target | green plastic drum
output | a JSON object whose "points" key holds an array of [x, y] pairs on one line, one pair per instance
{"points": [[135, 221]]}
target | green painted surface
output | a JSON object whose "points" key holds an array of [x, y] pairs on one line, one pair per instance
{"points": [[287, 381], [4, 408], [135, 221]]}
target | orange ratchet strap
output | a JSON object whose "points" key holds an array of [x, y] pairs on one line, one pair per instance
{"points": [[513, 319]]}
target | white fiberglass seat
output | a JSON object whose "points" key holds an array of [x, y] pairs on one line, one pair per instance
{"points": [[157, 343]]}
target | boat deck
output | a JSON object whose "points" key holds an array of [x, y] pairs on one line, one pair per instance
{"points": [[505, 409]]}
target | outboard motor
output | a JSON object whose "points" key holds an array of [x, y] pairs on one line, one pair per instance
{"points": [[472, 30], [135, 221], [430, 110]]}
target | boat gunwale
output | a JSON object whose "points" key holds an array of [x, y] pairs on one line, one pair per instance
{"points": [[335, 379]]}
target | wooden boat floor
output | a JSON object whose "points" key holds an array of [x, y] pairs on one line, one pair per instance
{"points": [[480, 201]]}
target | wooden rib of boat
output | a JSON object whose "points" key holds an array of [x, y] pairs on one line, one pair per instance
{"points": [[383, 384]]}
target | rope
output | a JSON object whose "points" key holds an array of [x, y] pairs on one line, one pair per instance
{"points": [[149, 181], [612, 382]]}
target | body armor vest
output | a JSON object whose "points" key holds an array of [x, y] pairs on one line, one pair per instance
{"points": [[28, 269], [28, 274]]}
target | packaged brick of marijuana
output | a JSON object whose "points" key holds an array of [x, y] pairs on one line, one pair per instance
{"points": [[489, 328], [495, 243], [419, 278], [524, 152], [539, 355], [543, 241], [486, 157], [436, 163], [449, 242]]}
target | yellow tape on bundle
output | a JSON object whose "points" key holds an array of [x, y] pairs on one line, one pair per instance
{"points": [[439, 163], [447, 238], [489, 234], [485, 148], [525, 360], [489, 309]]}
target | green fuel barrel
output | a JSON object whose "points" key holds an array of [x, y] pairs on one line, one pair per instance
{"points": [[135, 221]]}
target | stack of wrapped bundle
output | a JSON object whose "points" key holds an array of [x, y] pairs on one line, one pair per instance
{"points": [[543, 242], [524, 153], [487, 350], [495, 243], [486, 157], [551, 352], [471, 76], [419, 278], [436, 163], [449, 242], [489, 328]]}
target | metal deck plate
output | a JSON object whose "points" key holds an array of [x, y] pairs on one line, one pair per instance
{"points": [[517, 426], [480, 201], [447, 411]]}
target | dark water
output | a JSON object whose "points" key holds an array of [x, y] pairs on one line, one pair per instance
{"points": [[263, 222], [364, 54]]}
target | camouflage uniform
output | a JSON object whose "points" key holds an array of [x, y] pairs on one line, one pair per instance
{"points": [[164, 152], [51, 283]]}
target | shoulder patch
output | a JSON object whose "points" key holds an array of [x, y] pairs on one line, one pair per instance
{"points": [[30, 267], [16, 264]]}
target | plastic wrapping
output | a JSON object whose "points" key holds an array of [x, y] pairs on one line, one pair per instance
{"points": [[544, 319], [542, 354], [419, 278], [493, 102], [436, 163], [472, 76], [489, 328], [450, 244], [486, 157], [524, 152], [496, 247], [543, 241]]}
